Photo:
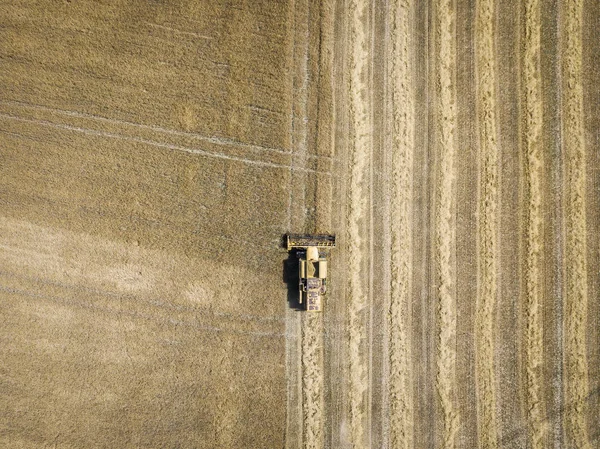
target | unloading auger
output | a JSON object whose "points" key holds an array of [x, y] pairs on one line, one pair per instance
{"points": [[312, 252]]}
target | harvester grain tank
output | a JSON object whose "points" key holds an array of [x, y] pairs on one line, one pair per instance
{"points": [[312, 250]]}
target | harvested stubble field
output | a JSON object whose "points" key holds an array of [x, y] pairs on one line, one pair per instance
{"points": [[153, 153]]}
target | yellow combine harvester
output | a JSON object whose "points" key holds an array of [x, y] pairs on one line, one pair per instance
{"points": [[312, 255]]}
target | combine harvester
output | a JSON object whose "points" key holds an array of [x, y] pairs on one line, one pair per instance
{"points": [[312, 254]]}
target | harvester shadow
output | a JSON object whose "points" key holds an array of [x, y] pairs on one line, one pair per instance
{"points": [[292, 279]]}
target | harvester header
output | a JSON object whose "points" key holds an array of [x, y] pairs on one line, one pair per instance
{"points": [[307, 240]]}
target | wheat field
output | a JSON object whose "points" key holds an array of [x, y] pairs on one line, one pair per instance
{"points": [[154, 153]]}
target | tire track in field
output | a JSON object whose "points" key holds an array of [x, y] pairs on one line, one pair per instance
{"points": [[488, 223], [534, 344], [358, 214], [576, 229], [400, 346], [223, 141], [158, 144], [445, 216]]}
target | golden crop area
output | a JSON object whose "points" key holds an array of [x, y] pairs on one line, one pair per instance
{"points": [[153, 154]]}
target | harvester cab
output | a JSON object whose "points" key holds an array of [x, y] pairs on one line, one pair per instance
{"points": [[312, 252]]}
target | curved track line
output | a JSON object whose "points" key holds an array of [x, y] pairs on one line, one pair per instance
{"points": [[400, 349], [576, 248], [360, 160], [534, 347], [110, 135], [212, 139], [488, 224], [445, 224]]}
